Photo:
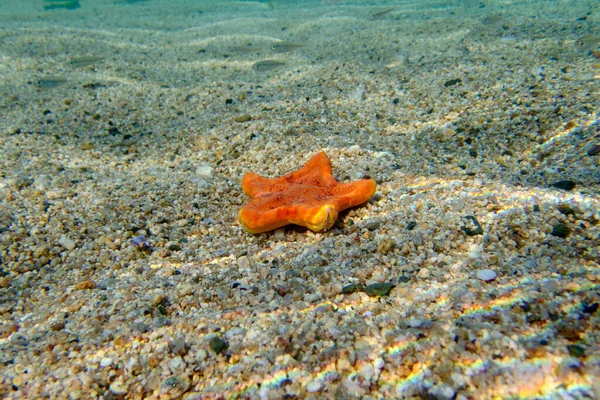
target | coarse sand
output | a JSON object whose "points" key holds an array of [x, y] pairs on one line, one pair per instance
{"points": [[125, 130]]}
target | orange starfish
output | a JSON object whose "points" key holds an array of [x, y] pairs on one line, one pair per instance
{"points": [[310, 197]]}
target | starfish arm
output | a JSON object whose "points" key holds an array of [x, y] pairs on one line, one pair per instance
{"points": [[316, 218], [317, 172], [254, 185], [346, 195], [255, 221]]}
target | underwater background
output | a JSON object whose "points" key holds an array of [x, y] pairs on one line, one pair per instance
{"points": [[126, 128]]}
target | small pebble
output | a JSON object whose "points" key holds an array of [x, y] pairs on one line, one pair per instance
{"points": [[576, 350], [242, 118], [159, 299], [564, 185], [279, 234], [177, 364], [424, 273], [486, 275], [85, 285], [204, 171], [66, 242], [217, 344], [561, 230], [243, 262], [174, 386], [352, 288], [379, 289], [472, 226], [118, 387], [106, 362], [314, 386], [594, 150]]}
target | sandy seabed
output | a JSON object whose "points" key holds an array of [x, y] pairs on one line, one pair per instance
{"points": [[471, 274]]}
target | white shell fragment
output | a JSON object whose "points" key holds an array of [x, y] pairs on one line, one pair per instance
{"points": [[486, 275]]}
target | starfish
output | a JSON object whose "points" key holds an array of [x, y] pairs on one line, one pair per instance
{"points": [[309, 196]]}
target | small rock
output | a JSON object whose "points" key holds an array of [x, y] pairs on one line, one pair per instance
{"points": [[352, 288], [576, 350], [415, 322], [118, 387], [486, 275], [424, 273], [174, 386], [85, 285], [452, 82], [564, 185], [217, 344], [57, 326], [314, 386], [106, 362], [589, 308], [594, 150], [367, 372], [243, 262], [159, 300], [242, 118], [442, 392], [472, 226], [66, 242], [379, 289], [173, 246], [179, 346], [561, 230], [177, 364], [372, 224], [279, 234], [205, 171]]}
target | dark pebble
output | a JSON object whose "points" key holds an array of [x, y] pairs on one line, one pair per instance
{"points": [[589, 308], [411, 225], [561, 230], [565, 209], [570, 330], [403, 279], [576, 350], [353, 288], [379, 289], [594, 150], [57, 326], [217, 344], [179, 346], [452, 82], [472, 226], [114, 131], [161, 321], [564, 185], [174, 247]]}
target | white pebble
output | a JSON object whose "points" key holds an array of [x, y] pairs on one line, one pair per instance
{"points": [[66, 242], [243, 262], [486, 275], [106, 362], [118, 387], [177, 364], [279, 234], [204, 171], [367, 372], [314, 386]]}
